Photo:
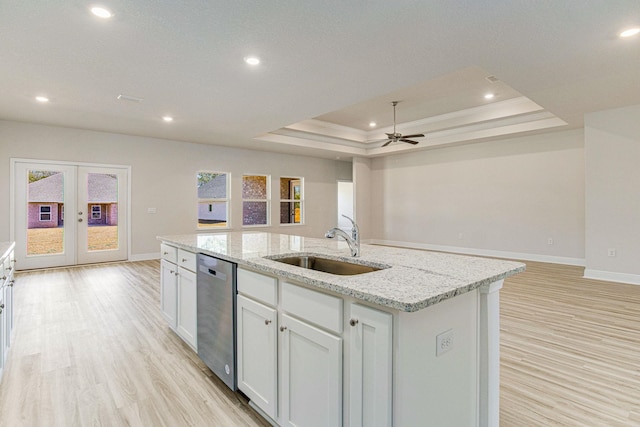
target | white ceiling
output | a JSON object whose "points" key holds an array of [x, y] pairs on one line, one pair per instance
{"points": [[328, 68]]}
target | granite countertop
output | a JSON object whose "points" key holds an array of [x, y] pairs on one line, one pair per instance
{"points": [[414, 280]]}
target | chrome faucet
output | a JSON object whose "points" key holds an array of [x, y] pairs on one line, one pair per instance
{"points": [[353, 241]]}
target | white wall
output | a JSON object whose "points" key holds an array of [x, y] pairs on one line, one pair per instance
{"points": [[504, 197], [163, 176], [612, 153]]}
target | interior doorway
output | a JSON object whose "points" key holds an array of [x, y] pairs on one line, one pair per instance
{"points": [[67, 214], [345, 204]]}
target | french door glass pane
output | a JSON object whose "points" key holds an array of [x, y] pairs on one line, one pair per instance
{"points": [[45, 219], [102, 212]]}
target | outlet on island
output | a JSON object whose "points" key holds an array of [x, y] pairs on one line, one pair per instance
{"points": [[444, 342]]}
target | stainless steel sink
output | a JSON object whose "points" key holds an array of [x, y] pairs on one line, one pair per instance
{"points": [[327, 265]]}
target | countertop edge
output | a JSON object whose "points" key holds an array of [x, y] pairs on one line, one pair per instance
{"points": [[363, 296]]}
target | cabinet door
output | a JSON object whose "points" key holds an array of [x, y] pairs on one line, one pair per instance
{"points": [[3, 345], [310, 374], [257, 354], [370, 367], [187, 307], [169, 292]]}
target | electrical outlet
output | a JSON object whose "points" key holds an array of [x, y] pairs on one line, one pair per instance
{"points": [[444, 342], [611, 252], [550, 241]]}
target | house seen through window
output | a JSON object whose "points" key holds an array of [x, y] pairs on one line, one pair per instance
{"points": [[291, 200], [213, 199], [255, 200]]}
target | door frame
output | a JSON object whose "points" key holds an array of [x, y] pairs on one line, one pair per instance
{"points": [[12, 190]]}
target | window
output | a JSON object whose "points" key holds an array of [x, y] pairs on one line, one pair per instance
{"points": [[291, 200], [255, 200], [96, 212], [213, 199], [45, 212]]}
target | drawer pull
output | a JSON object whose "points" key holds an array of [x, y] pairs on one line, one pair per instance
{"points": [[283, 328], [11, 283], [267, 322], [184, 260], [353, 322], [165, 253]]}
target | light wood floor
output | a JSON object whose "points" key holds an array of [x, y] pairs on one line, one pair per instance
{"points": [[90, 348], [570, 350]]}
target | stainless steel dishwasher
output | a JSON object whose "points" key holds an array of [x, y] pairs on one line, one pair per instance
{"points": [[217, 317]]}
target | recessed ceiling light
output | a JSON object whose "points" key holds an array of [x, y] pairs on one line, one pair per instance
{"points": [[373, 124], [42, 99], [630, 32], [167, 118], [489, 96], [101, 12], [252, 60]]}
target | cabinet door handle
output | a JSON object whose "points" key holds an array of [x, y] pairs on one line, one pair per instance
{"points": [[11, 283], [165, 253], [267, 322], [283, 328], [2, 305], [184, 260], [353, 322]]}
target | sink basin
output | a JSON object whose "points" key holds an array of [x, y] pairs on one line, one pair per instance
{"points": [[327, 265]]}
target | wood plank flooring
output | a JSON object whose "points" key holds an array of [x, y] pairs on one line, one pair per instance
{"points": [[91, 348], [570, 350]]}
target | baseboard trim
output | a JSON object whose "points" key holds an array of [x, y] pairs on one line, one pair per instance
{"points": [[144, 257], [610, 276], [483, 252]]}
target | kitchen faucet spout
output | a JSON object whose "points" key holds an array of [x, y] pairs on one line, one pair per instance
{"points": [[353, 241]]}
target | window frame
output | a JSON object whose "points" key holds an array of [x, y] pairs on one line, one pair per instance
{"points": [[294, 200], [266, 200], [93, 212], [40, 213], [212, 200]]}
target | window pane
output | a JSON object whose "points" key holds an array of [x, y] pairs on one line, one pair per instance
{"points": [[212, 185], [212, 214], [254, 187], [254, 213], [102, 225], [290, 212], [45, 198]]}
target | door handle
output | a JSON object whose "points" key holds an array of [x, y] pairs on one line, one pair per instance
{"points": [[80, 213]]}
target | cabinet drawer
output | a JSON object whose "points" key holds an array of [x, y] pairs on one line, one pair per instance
{"points": [[169, 253], [258, 286], [316, 307], [187, 260]]}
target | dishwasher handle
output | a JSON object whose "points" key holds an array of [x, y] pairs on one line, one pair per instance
{"points": [[213, 273]]}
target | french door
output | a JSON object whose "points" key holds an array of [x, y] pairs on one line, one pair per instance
{"points": [[68, 214]]}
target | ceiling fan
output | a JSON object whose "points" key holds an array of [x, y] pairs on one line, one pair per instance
{"points": [[396, 136]]}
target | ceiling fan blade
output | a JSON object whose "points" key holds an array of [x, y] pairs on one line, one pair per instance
{"points": [[415, 135], [409, 141], [387, 143]]}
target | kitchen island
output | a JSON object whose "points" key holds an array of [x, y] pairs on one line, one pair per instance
{"points": [[441, 356]]}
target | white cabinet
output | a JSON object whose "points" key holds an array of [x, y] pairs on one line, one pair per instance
{"points": [[311, 375], [178, 292], [7, 280], [169, 292], [370, 367], [257, 354], [187, 307], [290, 351]]}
